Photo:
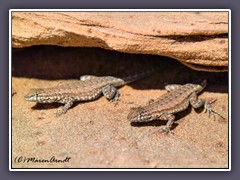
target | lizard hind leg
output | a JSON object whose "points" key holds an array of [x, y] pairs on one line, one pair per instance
{"points": [[209, 110], [110, 92], [195, 102]]}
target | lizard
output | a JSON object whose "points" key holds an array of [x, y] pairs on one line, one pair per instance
{"points": [[177, 99], [88, 88]]}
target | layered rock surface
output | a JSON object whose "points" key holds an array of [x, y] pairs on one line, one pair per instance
{"points": [[196, 39]]}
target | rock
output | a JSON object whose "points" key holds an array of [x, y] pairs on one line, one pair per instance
{"points": [[196, 39]]}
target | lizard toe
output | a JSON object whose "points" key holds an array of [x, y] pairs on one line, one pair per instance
{"points": [[165, 130]]}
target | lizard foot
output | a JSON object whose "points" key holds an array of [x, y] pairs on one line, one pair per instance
{"points": [[117, 99], [166, 130], [60, 112], [208, 109]]}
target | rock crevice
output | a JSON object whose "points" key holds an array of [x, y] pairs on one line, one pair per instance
{"points": [[197, 39]]}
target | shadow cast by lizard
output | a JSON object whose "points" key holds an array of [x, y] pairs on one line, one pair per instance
{"points": [[55, 105]]}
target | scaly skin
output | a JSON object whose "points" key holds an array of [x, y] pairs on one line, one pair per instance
{"points": [[176, 100], [88, 88]]}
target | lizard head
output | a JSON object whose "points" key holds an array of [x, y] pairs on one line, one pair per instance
{"points": [[38, 95], [138, 115]]}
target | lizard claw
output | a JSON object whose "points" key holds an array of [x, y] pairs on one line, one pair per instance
{"points": [[208, 109], [126, 94], [115, 101]]}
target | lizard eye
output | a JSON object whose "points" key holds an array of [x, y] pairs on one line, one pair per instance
{"points": [[36, 96], [139, 116]]}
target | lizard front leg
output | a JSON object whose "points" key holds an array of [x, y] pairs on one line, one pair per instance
{"points": [[63, 110], [170, 118]]}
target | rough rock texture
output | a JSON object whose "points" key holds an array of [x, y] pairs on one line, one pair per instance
{"points": [[197, 39], [97, 134]]}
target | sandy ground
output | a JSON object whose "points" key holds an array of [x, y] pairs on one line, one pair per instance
{"points": [[97, 134]]}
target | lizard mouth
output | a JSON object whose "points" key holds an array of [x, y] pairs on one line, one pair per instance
{"points": [[30, 98], [139, 118]]}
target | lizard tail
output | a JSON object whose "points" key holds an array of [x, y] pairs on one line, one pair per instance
{"points": [[141, 75]]}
